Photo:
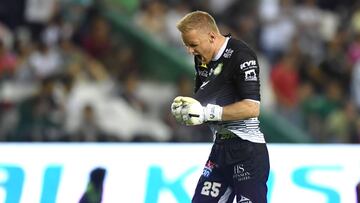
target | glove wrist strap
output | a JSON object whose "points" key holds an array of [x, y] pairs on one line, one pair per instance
{"points": [[213, 112]]}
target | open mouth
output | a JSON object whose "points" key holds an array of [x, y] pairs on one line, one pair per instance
{"points": [[200, 58]]}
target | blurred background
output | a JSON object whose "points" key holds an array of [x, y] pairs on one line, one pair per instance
{"points": [[91, 82], [91, 70]]}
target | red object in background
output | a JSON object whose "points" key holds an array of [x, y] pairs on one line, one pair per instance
{"points": [[97, 42], [285, 81], [354, 52], [7, 63], [95, 47]]}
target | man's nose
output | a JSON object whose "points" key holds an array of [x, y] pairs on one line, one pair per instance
{"points": [[191, 50]]}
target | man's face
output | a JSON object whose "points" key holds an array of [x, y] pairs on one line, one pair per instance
{"points": [[199, 44]]}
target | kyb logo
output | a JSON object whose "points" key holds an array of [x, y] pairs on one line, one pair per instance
{"points": [[248, 64]]}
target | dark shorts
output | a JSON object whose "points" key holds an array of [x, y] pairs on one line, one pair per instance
{"points": [[235, 167]]}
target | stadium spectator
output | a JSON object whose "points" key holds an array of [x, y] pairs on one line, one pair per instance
{"points": [[309, 18], [128, 93], [7, 62], [97, 41], [285, 82], [89, 129], [354, 49], [41, 118], [341, 123], [45, 61], [279, 28], [152, 18]]}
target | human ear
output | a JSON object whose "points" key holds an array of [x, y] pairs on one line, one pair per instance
{"points": [[211, 37]]}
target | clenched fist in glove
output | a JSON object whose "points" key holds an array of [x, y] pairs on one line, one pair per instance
{"points": [[189, 111], [176, 107]]}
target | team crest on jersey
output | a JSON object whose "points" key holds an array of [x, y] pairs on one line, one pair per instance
{"points": [[218, 69], [203, 65], [250, 75], [228, 52], [209, 166]]}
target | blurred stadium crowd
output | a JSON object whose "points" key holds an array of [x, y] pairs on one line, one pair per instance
{"points": [[66, 76]]}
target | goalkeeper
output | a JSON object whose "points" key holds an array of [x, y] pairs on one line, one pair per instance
{"points": [[227, 99]]}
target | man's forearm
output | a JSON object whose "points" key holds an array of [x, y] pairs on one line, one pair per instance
{"points": [[241, 110]]}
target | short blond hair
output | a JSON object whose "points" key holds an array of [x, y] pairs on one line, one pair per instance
{"points": [[197, 20]]}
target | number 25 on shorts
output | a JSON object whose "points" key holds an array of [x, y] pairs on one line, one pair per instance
{"points": [[211, 188]]}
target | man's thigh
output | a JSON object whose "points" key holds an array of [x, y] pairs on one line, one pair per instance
{"points": [[249, 172]]}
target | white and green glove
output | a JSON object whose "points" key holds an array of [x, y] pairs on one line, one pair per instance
{"points": [[189, 111], [176, 107]]}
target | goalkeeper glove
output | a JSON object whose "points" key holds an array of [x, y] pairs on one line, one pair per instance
{"points": [[176, 107], [193, 113]]}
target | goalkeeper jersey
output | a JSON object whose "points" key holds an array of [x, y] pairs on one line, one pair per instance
{"points": [[233, 75]]}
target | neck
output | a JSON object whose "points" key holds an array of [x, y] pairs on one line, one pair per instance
{"points": [[220, 40]]}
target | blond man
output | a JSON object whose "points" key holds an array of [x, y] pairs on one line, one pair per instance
{"points": [[227, 99]]}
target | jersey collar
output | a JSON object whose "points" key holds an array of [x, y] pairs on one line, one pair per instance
{"points": [[221, 51]]}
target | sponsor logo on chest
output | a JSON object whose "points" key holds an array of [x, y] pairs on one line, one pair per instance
{"points": [[203, 73]]}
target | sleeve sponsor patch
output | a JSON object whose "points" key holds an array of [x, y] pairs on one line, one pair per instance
{"points": [[250, 75], [248, 64]]}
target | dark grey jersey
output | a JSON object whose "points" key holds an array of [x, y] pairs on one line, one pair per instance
{"points": [[231, 78]]}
